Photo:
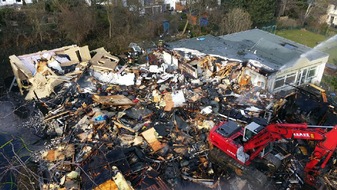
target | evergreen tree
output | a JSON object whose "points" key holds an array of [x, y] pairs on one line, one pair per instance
{"points": [[262, 12]]}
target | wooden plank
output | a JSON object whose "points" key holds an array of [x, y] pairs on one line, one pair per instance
{"points": [[18, 80], [150, 137], [55, 116], [103, 60], [85, 53], [113, 100], [71, 52], [18, 63], [107, 185], [119, 125], [189, 69]]}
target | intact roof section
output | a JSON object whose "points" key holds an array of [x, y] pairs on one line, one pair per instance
{"points": [[271, 50]]}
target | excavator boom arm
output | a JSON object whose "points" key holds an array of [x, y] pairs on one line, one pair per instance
{"points": [[327, 143], [278, 131], [323, 150]]}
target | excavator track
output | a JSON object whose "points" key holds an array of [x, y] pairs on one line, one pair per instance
{"points": [[253, 175]]}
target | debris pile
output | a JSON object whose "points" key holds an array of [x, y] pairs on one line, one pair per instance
{"points": [[136, 126]]}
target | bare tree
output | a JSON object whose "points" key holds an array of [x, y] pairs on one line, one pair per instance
{"points": [[76, 21], [235, 21], [303, 9], [317, 8], [109, 7], [37, 19], [204, 8], [109, 11]]}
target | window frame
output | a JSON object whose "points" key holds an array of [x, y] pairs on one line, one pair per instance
{"points": [[309, 72], [284, 80]]}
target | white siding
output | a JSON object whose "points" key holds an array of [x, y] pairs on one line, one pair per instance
{"points": [[305, 71], [13, 2], [172, 3], [332, 14]]}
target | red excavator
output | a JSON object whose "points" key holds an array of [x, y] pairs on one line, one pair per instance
{"points": [[241, 146]]}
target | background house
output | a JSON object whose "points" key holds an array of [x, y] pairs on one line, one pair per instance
{"points": [[13, 2], [172, 3], [282, 61], [150, 7], [332, 15]]}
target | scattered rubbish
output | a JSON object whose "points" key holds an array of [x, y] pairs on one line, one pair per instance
{"points": [[146, 125]]}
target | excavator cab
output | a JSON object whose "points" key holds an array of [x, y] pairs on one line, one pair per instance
{"points": [[251, 130]]}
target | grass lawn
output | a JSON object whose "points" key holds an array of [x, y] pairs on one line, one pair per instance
{"points": [[309, 39], [333, 55]]}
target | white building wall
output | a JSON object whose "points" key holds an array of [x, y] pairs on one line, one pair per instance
{"points": [[332, 15], [14, 2], [88, 2], [320, 72], [301, 72], [172, 3], [270, 82], [10, 2]]}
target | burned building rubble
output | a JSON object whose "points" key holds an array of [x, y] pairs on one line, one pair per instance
{"points": [[138, 126]]}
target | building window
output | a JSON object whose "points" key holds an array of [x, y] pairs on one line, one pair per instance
{"points": [[279, 82], [312, 72], [302, 76], [290, 79], [306, 75], [284, 80]]}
